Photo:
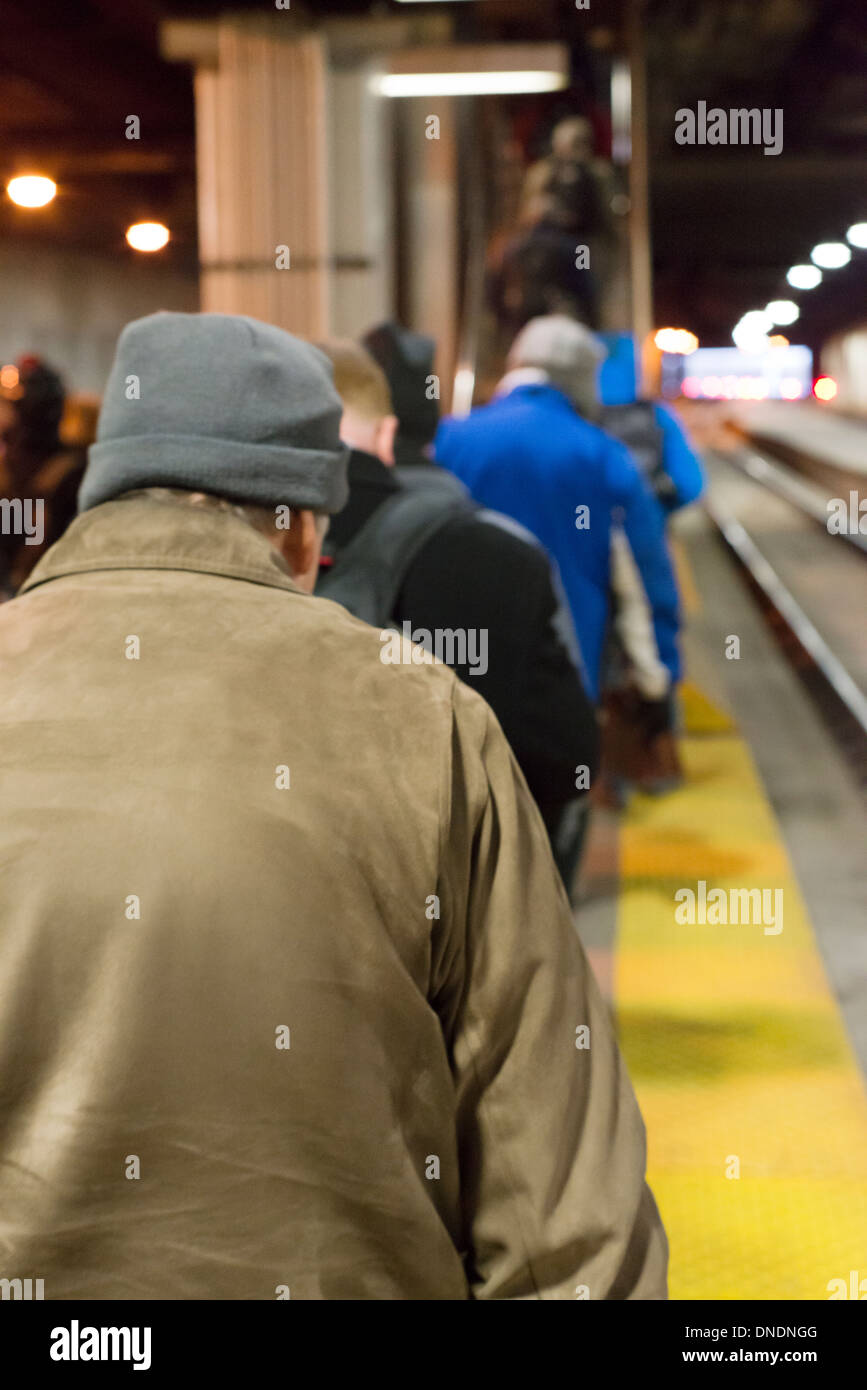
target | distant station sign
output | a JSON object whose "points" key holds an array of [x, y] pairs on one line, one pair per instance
{"points": [[730, 374]]}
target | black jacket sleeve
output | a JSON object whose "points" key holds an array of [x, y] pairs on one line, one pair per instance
{"points": [[472, 575]]}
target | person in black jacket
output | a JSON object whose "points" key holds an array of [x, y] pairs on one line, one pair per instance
{"points": [[476, 572], [36, 467]]}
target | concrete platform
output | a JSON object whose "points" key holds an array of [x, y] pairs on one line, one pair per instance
{"points": [[747, 1046], [835, 440]]}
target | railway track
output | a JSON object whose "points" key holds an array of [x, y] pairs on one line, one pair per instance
{"points": [[836, 693]]}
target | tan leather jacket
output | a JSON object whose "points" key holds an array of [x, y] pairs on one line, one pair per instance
{"points": [[289, 989]]}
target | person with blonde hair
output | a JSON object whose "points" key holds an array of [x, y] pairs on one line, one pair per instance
{"points": [[451, 567]]}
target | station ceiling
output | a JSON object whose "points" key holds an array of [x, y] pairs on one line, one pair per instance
{"points": [[726, 223]]}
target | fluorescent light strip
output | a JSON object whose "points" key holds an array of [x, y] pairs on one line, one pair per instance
{"points": [[464, 84]]}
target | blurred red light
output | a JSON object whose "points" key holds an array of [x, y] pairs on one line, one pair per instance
{"points": [[825, 389]]}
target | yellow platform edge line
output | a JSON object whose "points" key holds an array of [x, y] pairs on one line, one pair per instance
{"points": [[754, 1103]]}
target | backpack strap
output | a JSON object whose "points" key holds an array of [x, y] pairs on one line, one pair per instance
{"points": [[368, 574], [430, 478], [635, 426]]}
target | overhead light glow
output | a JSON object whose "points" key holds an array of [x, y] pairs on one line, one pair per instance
{"points": [[751, 333], [9, 377], [738, 374], [804, 277], [825, 388], [467, 84], [831, 255], [753, 343], [31, 190], [784, 311], [857, 235], [752, 388], [147, 236], [677, 340], [757, 321]]}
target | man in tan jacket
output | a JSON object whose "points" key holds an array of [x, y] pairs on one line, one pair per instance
{"points": [[291, 1003]]}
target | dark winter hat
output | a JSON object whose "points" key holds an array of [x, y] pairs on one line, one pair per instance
{"points": [[223, 404], [407, 359]]}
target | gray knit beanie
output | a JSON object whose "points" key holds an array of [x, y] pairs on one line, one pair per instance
{"points": [[567, 352], [223, 404], [557, 344]]}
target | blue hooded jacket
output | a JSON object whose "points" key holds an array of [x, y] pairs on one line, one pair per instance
{"points": [[679, 458], [529, 454]]}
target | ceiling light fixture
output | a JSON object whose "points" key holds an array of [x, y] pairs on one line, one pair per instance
{"points": [[804, 277], [831, 255], [783, 311], [31, 190], [857, 236], [147, 236], [467, 84]]}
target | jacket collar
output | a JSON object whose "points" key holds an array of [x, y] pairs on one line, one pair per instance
{"points": [[367, 468], [147, 533], [521, 376], [535, 382], [370, 484]]}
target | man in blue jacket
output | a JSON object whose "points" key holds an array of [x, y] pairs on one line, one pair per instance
{"points": [[535, 454]]}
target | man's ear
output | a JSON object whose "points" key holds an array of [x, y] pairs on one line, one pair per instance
{"points": [[300, 545], [385, 437]]}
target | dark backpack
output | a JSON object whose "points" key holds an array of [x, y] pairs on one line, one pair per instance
{"points": [[635, 426], [368, 574]]}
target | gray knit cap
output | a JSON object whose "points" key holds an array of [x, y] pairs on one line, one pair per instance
{"points": [[557, 344], [219, 403]]}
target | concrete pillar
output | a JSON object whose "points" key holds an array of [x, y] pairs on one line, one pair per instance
{"points": [[263, 178], [292, 151], [429, 177], [361, 211]]}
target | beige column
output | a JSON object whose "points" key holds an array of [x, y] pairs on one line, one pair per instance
{"points": [[263, 173], [361, 217], [429, 177]]}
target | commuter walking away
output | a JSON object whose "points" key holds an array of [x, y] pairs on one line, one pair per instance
{"points": [[537, 453], [293, 1002], [476, 587]]}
